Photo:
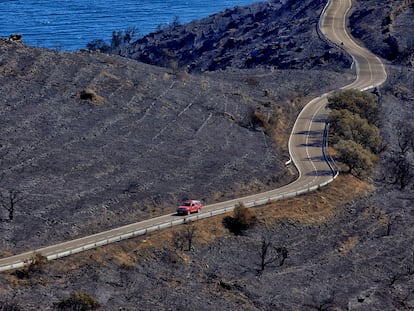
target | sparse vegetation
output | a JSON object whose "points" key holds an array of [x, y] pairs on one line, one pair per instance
{"points": [[359, 160], [77, 301], [399, 163], [230, 40], [119, 39]]}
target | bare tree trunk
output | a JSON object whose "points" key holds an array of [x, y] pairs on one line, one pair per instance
{"points": [[9, 202]]}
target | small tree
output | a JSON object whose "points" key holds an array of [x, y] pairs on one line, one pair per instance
{"points": [[9, 202], [37, 262], [405, 136], [175, 22], [129, 34], [269, 254], [116, 40], [399, 171], [398, 166], [347, 125], [119, 39], [357, 102], [98, 45], [283, 254], [359, 160]]}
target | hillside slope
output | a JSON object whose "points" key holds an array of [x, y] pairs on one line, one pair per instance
{"points": [[386, 29], [272, 34], [345, 249], [91, 141]]}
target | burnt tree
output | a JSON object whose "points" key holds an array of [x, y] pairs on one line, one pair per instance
{"points": [[184, 238], [9, 201], [269, 254]]}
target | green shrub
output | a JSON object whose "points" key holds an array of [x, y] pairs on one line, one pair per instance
{"points": [[357, 102], [346, 125], [360, 161]]}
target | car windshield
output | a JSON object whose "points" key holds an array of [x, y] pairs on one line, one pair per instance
{"points": [[186, 204]]}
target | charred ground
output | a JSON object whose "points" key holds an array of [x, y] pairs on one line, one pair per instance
{"points": [[350, 246], [272, 34], [91, 141]]}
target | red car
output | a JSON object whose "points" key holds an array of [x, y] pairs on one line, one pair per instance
{"points": [[189, 206]]}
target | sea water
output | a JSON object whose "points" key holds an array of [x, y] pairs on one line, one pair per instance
{"points": [[70, 24]]}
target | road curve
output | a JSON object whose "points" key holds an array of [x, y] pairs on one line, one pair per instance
{"points": [[306, 148]]}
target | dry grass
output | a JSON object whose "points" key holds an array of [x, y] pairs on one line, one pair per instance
{"points": [[348, 244], [316, 207], [105, 73]]}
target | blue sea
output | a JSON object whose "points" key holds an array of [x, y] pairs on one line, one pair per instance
{"points": [[70, 24]]}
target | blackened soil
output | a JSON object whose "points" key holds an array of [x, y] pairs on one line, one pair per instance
{"points": [[147, 136], [142, 139]]}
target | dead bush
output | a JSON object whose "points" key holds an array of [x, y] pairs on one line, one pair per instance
{"points": [[77, 301], [184, 238], [90, 95], [35, 264], [243, 219]]}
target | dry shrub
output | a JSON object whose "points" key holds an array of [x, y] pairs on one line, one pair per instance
{"points": [[315, 207], [243, 219], [348, 244], [35, 265], [90, 95], [77, 301], [37, 261]]}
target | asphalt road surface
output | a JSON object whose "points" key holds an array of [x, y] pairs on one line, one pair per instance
{"points": [[305, 146]]}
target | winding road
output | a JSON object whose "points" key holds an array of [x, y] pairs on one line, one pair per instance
{"points": [[306, 148]]}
